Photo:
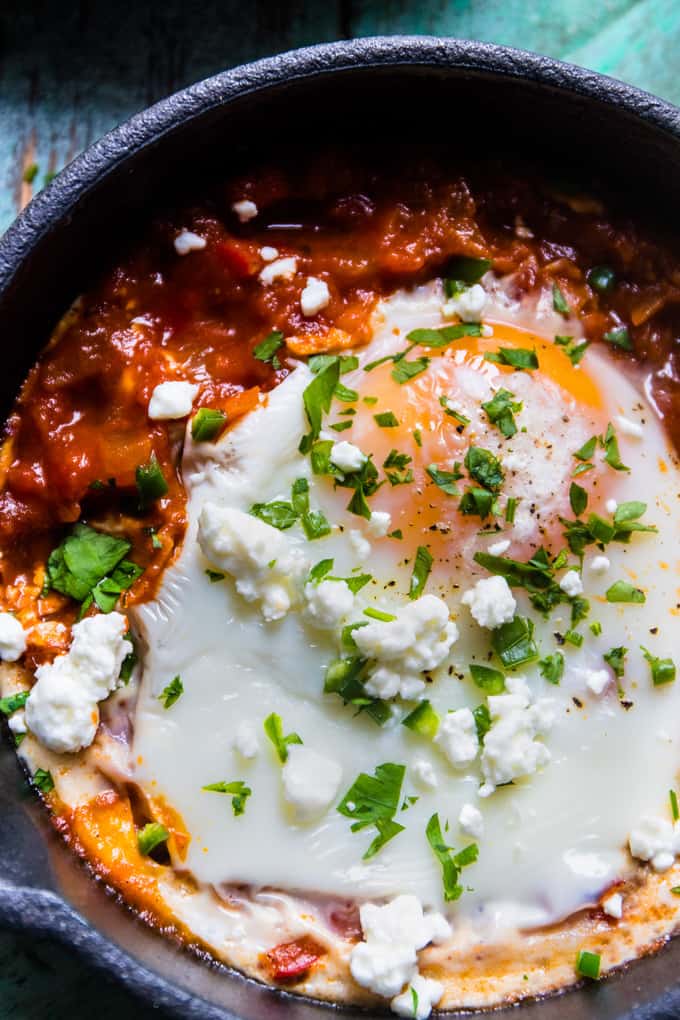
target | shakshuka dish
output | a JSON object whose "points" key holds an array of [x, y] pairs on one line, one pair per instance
{"points": [[340, 580]]}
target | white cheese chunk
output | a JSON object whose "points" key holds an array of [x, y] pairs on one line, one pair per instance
{"points": [[571, 583], [425, 773], [347, 457], [17, 722], [387, 958], [315, 296], [187, 242], [266, 567], [360, 544], [471, 821], [172, 400], [628, 427], [498, 548], [280, 269], [491, 602], [613, 905], [245, 740], [310, 780], [469, 305], [457, 737], [611, 506], [12, 638], [655, 840], [245, 210], [61, 710], [328, 603], [418, 639], [427, 994], [510, 747], [379, 523], [597, 680], [599, 564], [268, 254]]}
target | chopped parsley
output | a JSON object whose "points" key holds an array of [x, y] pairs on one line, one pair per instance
{"points": [[552, 667], [578, 498], [317, 397], [482, 718], [573, 351], [207, 424], [623, 591], [273, 727], [13, 702], [601, 278], [422, 720], [386, 420], [484, 468], [445, 480], [346, 677], [559, 301], [663, 670], [514, 643], [465, 270], [450, 861], [519, 358], [278, 514], [619, 337], [511, 510], [90, 566], [283, 515], [374, 801], [675, 811], [151, 836], [421, 572], [611, 450], [404, 370], [616, 658], [267, 349], [435, 338], [489, 680], [150, 481], [172, 692], [451, 412], [43, 781], [500, 411], [588, 965], [238, 791], [400, 474], [215, 575]]}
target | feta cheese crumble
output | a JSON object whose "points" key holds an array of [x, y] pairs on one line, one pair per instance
{"points": [[245, 210], [171, 400], [510, 747], [571, 583], [61, 710], [379, 523], [424, 773], [613, 905], [315, 296], [360, 544], [471, 821], [418, 639], [611, 506], [498, 548], [347, 457], [266, 567], [387, 958], [597, 680], [457, 737], [280, 269], [310, 780], [17, 723], [655, 840], [469, 305], [12, 638], [245, 740], [599, 564], [628, 427], [187, 241], [268, 254], [491, 602], [328, 603], [427, 994]]}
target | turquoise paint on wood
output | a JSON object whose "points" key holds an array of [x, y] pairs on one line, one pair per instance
{"points": [[70, 72]]}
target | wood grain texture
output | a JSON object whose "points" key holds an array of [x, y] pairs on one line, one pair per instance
{"points": [[71, 71]]}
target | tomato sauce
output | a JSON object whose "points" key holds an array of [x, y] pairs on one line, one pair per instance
{"points": [[80, 427]]}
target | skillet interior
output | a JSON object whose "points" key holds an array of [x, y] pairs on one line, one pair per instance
{"points": [[407, 92]]}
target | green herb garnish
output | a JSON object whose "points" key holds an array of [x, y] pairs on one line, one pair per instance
{"points": [[374, 800], [151, 836], [267, 349], [421, 572], [238, 791], [172, 692], [663, 670], [151, 483], [423, 720], [489, 680], [450, 861], [273, 727], [207, 424]]}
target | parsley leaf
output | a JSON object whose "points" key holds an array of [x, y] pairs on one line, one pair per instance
{"points": [[450, 861], [172, 692], [90, 565], [435, 338], [346, 677], [317, 398], [150, 481], [445, 480], [619, 337], [42, 779], [386, 420], [421, 572], [273, 727], [578, 498], [151, 836], [374, 800], [559, 301], [616, 659], [404, 370], [13, 702], [238, 791], [552, 667], [278, 514], [484, 468], [519, 358], [267, 348], [500, 410]]}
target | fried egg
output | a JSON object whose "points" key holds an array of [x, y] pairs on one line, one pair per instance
{"points": [[553, 840]]}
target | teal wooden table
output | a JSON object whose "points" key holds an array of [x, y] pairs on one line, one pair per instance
{"points": [[69, 72]]}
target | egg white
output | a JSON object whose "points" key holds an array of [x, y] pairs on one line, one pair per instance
{"points": [[553, 842]]}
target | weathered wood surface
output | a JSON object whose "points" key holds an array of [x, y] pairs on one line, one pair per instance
{"points": [[71, 71]]}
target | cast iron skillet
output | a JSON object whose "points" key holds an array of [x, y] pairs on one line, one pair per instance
{"points": [[403, 92]]}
